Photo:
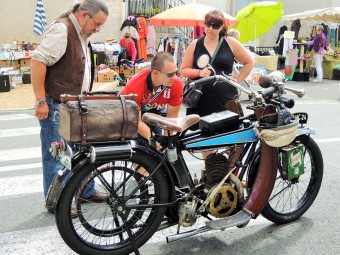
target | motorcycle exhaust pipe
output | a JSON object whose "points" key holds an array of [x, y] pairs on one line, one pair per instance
{"points": [[183, 235]]}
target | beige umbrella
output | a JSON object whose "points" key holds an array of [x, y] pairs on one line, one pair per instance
{"points": [[331, 14], [188, 15]]}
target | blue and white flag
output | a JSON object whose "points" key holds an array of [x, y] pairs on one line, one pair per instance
{"points": [[39, 19]]}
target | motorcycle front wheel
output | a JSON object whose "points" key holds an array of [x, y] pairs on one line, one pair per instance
{"points": [[290, 199], [126, 220]]}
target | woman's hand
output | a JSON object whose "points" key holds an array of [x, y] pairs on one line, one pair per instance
{"points": [[204, 72]]}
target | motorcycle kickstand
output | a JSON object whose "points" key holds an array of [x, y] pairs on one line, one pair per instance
{"points": [[128, 230]]}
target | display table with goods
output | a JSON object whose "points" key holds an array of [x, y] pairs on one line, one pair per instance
{"points": [[330, 60], [328, 64], [269, 62], [301, 74]]}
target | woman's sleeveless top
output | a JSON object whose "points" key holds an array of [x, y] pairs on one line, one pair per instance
{"points": [[215, 97]]}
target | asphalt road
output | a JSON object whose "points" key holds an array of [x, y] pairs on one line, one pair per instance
{"points": [[27, 228]]}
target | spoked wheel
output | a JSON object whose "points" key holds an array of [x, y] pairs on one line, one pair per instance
{"points": [[126, 220], [290, 199]]}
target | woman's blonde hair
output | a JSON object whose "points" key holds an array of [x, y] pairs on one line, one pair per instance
{"points": [[233, 32]]}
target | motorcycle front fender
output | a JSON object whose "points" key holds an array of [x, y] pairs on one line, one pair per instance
{"points": [[264, 181]]}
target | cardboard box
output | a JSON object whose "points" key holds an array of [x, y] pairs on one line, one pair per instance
{"points": [[138, 70], [4, 63], [24, 62], [8, 63], [105, 77], [269, 62], [128, 73]]}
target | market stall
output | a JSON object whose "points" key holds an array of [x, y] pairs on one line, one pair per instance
{"points": [[327, 16]]}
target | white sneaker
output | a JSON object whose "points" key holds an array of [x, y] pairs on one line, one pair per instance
{"points": [[317, 80]]}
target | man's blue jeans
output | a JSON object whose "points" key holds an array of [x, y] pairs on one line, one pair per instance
{"points": [[48, 134]]}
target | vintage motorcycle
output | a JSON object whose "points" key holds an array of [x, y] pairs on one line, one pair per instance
{"points": [[149, 189]]}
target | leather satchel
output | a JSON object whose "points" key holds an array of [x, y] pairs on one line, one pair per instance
{"points": [[98, 118]]}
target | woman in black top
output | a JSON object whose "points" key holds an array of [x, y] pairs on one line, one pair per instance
{"points": [[215, 97]]}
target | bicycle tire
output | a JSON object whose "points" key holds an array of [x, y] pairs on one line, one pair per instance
{"points": [[103, 228], [289, 199]]}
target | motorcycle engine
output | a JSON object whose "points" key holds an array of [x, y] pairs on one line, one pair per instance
{"points": [[216, 168], [186, 213], [225, 200]]}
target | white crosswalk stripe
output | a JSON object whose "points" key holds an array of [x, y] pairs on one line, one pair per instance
{"points": [[19, 132], [15, 117], [20, 167], [18, 154], [20, 185]]}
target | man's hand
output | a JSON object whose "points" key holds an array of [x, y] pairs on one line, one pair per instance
{"points": [[41, 111]]}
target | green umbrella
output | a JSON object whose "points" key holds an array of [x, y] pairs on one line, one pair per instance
{"points": [[257, 18]]}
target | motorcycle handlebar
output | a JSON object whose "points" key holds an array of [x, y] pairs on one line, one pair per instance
{"points": [[265, 93], [268, 92], [202, 81], [218, 78]]}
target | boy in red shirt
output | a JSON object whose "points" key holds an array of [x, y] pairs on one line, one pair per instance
{"points": [[158, 89]]}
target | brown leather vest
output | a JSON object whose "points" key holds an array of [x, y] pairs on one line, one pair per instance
{"points": [[66, 76]]}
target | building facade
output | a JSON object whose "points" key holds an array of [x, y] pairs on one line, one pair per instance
{"points": [[17, 16]]}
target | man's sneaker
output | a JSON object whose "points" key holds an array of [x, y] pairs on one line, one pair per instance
{"points": [[317, 80]]}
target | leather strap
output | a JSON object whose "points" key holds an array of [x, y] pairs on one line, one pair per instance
{"points": [[83, 113], [125, 117], [218, 47], [66, 97]]}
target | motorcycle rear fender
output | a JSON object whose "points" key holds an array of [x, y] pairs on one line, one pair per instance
{"points": [[99, 153], [103, 153]]}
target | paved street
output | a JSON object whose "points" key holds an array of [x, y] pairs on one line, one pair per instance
{"points": [[27, 228]]}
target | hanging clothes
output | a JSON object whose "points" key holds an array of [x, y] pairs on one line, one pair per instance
{"points": [[151, 41], [287, 42], [141, 43], [325, 29], [130, 21], [197, 32], [279, 40], [296, 25], [174, 44]]}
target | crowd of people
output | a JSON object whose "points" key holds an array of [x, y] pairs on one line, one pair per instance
{"points": [[63, 63]]}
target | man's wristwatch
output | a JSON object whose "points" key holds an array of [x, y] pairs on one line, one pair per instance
{"points": [[41, 102]]}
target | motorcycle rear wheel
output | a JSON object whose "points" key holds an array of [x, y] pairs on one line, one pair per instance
{"points": [[109, 227], [290, 199]]}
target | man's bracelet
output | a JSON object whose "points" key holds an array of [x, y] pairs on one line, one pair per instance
{"points": [[199, 70]]}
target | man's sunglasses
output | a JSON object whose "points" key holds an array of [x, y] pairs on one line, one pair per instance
{"points": [[214, 26], [169, 75]]}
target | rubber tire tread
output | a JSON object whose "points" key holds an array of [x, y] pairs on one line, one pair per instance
{"points": [[270, 214], [63, 219]]}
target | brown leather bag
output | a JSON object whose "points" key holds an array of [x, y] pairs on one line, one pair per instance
{"points": [[98, 118]]}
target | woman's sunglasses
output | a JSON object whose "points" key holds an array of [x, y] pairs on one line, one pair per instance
{"points": [[214, 26]]}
